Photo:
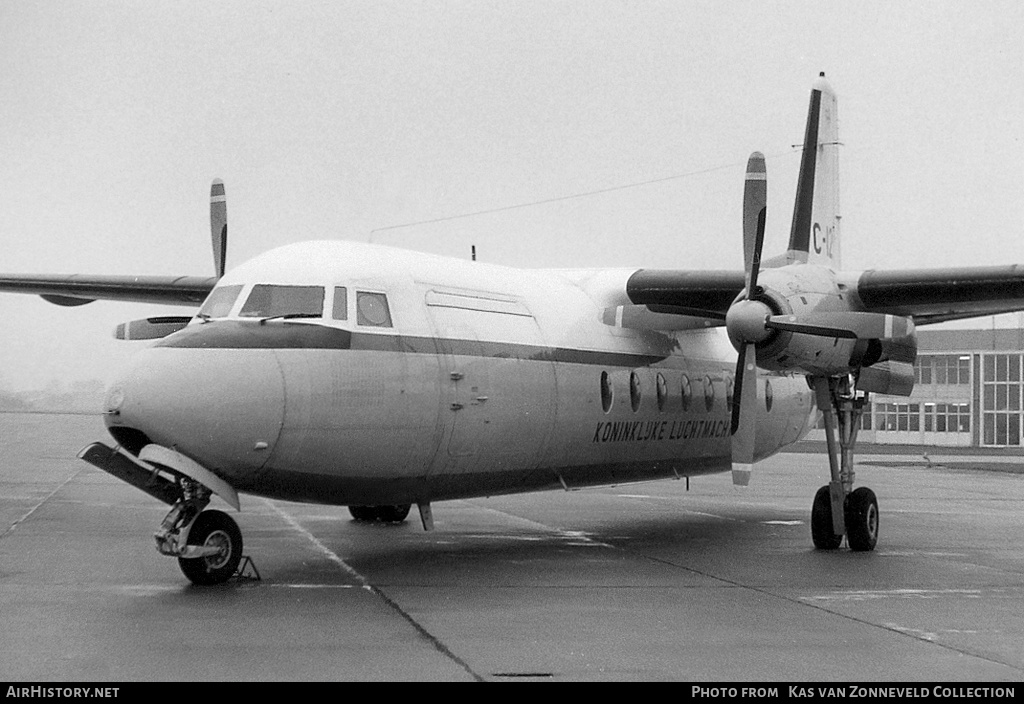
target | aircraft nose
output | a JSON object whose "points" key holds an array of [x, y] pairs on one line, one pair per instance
{"points": [[222, 411]]}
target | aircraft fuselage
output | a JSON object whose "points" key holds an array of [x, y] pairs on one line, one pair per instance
{"points": [[432, 378]]}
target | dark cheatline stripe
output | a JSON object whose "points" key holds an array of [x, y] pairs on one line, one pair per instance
{"points": [[800, 234], [232, 334]]}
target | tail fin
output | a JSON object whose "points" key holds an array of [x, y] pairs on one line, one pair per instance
{"points": [[814, 236]]}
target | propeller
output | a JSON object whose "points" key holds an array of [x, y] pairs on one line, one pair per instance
{"points": [[853, 325], [745, 320], [219, 225]]}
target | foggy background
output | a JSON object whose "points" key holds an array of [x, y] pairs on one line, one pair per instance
{"points": [[329, 120]]}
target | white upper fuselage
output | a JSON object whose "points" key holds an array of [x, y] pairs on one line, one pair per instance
{"points": [[440, 378]]}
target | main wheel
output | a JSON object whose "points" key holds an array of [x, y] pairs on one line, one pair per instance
{"points": [[822, 532], [383, 514], [219, 530], [861, 513]]}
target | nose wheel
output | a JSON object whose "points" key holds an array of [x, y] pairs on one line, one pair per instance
{"points": [[217, 536]]}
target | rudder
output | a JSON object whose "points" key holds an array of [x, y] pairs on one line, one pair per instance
{"points": [[814, 236]]}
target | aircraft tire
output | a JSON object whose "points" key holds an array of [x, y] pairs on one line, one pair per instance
{"points": [[861, 513], [822, 533], [362, 513], [213, 528], [381, 514]]}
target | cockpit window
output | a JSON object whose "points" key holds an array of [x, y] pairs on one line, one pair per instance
{"points": [[372, 309], [268, 300], [340, 303], [218, 303]]}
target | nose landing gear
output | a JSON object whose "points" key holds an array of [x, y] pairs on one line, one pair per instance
{"points": [[208, 544]]}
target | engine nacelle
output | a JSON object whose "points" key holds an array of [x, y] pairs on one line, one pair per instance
{"points": [[800, 320]]}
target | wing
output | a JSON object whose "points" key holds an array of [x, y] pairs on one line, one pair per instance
{"points": [[938, 295], [77, 289], [925, 295], [705, 294]]}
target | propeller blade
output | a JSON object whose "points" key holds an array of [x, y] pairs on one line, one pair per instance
{"points": [[219, 225], [755, 205], [852, 325], [792, 323], [744, 411]]}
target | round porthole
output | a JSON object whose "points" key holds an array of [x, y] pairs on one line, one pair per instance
{"points": [[662, 389], [634, 391], [606, 392], [686, 393], [709, 393]]}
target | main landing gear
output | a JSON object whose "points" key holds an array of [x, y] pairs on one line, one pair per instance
{"points": [[838, 508]]}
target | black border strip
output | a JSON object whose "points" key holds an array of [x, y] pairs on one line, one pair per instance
{"points": [[231, 334]]}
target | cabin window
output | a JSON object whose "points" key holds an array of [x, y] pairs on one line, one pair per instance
{"points": [[709, 393], [606, 392], [768, 396], [372, 309], [686, 393], [662, 388], [634, 391], [730, 386], [218, 304], [268, 301], [340, 310]]}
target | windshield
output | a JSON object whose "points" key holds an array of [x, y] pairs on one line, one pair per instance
{"points": [[218, 303], [268, 301]]}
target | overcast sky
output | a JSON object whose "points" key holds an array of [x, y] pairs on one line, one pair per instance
{"points": [[328, 120]]}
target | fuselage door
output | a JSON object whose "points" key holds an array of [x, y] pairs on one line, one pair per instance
{"points": [[498, 386]]}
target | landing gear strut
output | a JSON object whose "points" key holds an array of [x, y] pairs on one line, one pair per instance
{"points": [[838, 509]]}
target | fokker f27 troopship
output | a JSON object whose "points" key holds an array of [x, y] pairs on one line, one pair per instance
{"points": [[376, 378]]}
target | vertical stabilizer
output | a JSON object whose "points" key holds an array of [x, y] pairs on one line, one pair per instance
{"points": [[814, 237]]}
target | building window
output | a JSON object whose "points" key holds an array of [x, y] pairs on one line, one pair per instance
{"points": [[898, 417], [1001, 399], [943, 369], [947, 418]]}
